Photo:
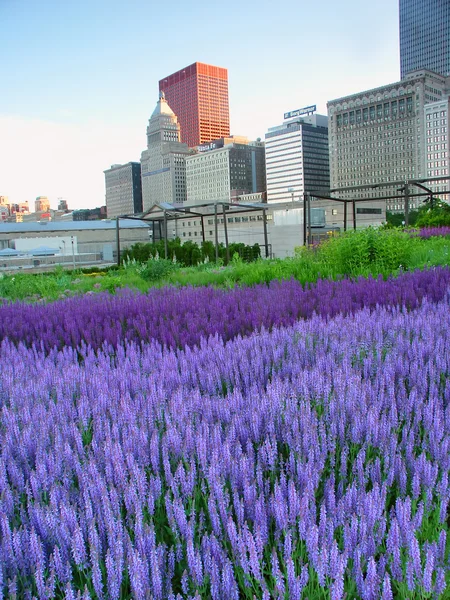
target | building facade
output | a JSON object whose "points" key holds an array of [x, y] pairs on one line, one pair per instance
{"points": [[377, 136], [42, 204], [89, 214], [437, 142], [297, 158], [225, 172], [424, 36], [163, 163], [198, 95], [123, 189]]}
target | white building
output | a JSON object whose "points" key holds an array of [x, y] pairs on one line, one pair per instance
{"points": [[163, 166], [297, 157], [438, 144], [377, 136]]}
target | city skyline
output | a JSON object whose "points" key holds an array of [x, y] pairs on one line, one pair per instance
{"points": [[72, 109]]}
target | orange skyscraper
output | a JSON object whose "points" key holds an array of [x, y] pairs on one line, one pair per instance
{"points": [[198, 95]]}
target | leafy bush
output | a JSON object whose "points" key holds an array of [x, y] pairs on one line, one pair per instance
{"points": [[366, 251], [157, 269]]}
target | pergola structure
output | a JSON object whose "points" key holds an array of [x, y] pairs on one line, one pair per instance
{"points": [[159, 215], [405, 189]]}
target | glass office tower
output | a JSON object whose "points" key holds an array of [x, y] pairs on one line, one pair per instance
{"points": [[424, 36]]}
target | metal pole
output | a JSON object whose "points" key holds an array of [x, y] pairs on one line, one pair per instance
{"points": [[203, 229], [309, 220], [225, 229], [304, 218], [165, 235], [216, 232], [345, 215], [117, 241], [266, 240], [354, 214], [406, 204], [73, 253]]}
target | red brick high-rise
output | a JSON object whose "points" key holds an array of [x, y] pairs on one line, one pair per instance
{"points": [[198, 95]]}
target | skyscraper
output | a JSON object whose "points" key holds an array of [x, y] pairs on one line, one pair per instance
{"points": [[198, 95], [424, 36], [163, 163]]}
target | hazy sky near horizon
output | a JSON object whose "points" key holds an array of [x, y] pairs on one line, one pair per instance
{"points": [[79, 78]]}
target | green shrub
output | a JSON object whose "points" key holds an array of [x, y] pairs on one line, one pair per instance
{"points": [[157, 269], [368, 251]]}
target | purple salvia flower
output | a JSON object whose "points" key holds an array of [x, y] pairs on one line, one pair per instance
{"points": [[229, 586], [78, 548], [138, 571], [387, 590], [337, 587], [410, 582], [279, 580], [114, 576], [440, 584], [428, 571], [69, 594]]}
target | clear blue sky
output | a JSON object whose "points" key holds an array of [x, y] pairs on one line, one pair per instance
{"points": [[79, 79]]}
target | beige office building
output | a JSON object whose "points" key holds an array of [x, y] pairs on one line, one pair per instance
{"points": [[438, 144], [224, 170], [379, 135]]}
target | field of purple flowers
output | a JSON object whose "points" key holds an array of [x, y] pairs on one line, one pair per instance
{"points": [[309, 459], [176, 317], [428, 232]]}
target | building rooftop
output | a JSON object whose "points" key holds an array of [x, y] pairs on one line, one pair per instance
{"points": [[162, 107], [407, 81], [35, 226]]}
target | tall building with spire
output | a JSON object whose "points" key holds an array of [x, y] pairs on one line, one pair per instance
{"points": [[199, 96], [163, 165]]}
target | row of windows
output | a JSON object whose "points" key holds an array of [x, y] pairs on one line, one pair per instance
{"points": [[376, 111]]}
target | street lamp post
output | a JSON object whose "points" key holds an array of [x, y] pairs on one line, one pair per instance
{"points": [[73, 252], [292, 194]]}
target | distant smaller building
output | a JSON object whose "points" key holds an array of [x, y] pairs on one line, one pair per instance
{"points": [[62, 204], [42, 204], [123, 189], [90, 214]]}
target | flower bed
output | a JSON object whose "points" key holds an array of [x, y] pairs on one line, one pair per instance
{"points": [[313, 459], [176, 317]]}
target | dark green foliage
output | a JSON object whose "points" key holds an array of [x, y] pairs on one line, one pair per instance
{"points": [[398, 219], [189, 254], [434, 213]]}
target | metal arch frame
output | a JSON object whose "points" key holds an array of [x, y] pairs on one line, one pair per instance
{"points": [[406, 184], [169, 212]]}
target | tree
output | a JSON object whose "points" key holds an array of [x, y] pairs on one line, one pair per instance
{"points": [[434, 213]]}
